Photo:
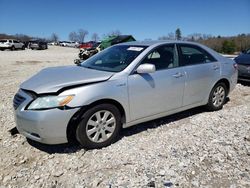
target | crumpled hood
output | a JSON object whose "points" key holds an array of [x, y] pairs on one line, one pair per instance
{"points": [[52, 79]]}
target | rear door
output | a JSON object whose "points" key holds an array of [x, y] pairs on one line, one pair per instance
{"points": [[158, 92], [201, 69]]}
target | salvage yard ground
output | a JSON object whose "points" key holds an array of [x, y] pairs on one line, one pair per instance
{"points": [[195, 148]]}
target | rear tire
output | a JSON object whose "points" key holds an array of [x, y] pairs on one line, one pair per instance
{"points": [[23, 47], [99, 127], [217, 97]]}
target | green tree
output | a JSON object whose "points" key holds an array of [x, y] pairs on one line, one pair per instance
{"points": [[178, 34], [228, 46]]}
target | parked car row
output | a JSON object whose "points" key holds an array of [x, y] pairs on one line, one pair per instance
{"points": [[13, 44]]}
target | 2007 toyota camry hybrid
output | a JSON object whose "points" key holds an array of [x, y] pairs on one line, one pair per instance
{"points": [[121, 86]]}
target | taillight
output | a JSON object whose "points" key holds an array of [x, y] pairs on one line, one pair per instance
{"points": [[235, 65]]}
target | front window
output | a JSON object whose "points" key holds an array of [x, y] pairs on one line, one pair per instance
{"points": [[114, 59], [163, 57]]}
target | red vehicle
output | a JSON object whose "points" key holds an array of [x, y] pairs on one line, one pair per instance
{"points": [[87, 45]]}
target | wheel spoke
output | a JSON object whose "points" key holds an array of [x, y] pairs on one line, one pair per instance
{"points": [[221, 90], [98, 116], [96, 137], [91, 131], [103, 135], [92, 123], [106, 115], [109, 129], [111, 120]]}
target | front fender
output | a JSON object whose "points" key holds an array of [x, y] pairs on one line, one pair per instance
{"points": [[110, 89]]}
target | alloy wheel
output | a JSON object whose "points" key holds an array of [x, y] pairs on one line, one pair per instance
{"points": [[218, 96], [100, 126]]}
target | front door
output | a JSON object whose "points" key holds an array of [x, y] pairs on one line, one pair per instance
{"points": [[158, 92]]}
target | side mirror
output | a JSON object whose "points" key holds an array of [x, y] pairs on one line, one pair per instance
{"points": [[145, 68]]}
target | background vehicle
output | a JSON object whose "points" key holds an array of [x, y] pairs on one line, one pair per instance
{"points": [[110, 41], [121, 86], [69, 44], [88, 52], [38, 45], [87, 45], [89, 49], [11, 44], [243, 61]]}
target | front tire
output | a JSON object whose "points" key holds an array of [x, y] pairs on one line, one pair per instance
{"points": [[217, 97], [99, 127], [12, 48]]}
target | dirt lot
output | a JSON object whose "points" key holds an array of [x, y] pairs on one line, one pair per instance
{"points": [[191, 149]]}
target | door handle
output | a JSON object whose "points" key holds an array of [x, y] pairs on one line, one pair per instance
{"points": [[216, 67], [178, 75]]}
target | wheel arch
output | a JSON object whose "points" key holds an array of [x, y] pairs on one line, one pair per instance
{"points": [[76, 118], [226, 82]]}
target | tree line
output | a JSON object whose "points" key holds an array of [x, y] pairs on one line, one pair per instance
{"points": [[221, 44], [74, 36]]}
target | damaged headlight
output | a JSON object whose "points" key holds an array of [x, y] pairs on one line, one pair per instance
{"points": [[47, 102]]}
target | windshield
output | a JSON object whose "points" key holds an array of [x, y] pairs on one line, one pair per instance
{"points": [[248, 51], [114, 59]]}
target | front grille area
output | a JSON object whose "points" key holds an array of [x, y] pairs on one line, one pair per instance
{"points": [[18, 99]]}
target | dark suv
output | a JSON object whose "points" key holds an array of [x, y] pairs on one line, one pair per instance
{"points": [[38, 45], [243, 61]]}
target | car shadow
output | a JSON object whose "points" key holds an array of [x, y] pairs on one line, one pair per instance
{"points": [[58, 148], [161, 121], [164, 120], [244, 83], [74, 147]]}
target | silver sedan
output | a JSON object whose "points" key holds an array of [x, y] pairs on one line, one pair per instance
{"points": [[124, 85]]}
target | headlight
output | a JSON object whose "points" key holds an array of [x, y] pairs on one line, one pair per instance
{"points": [[50, 102]]}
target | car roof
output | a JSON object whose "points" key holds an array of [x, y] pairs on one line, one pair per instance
{"points": [[156, 42]]}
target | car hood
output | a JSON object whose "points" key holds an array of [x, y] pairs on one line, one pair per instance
{"points": [[243, 59], [53, 79]]}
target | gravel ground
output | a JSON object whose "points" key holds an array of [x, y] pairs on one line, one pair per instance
{"points": [[194, 148]]}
